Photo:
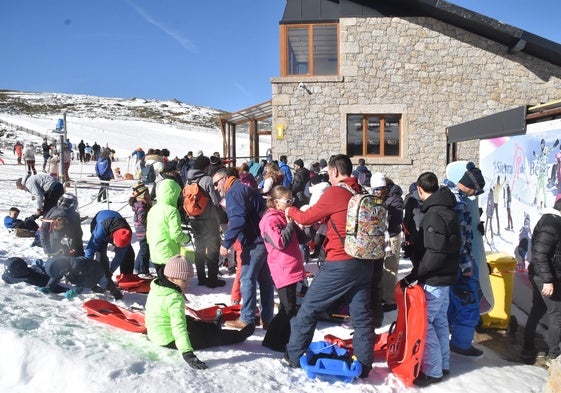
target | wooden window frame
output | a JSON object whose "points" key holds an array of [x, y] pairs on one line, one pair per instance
{"points": [[284, 47], [364, 120]]}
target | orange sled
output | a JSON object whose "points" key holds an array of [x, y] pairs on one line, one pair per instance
{"points": [[111, 314], [380, 344], [406, 338], [133, 283], [209, 314]]}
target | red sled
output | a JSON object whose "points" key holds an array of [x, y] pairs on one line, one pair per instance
{"points": [[406, 338], [380, 344], [209, 314], [111, 314], [133, 283]]}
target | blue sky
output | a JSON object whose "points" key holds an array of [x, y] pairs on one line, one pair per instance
{"points": [[217, 53]]}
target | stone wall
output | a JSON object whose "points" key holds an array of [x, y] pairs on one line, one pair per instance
{"points": [[434, 74]]}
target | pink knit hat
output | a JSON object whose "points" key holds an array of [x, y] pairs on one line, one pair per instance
{"points": [[179, 267]]}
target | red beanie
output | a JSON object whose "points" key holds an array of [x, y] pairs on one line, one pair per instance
{"points": [[121, 237]]}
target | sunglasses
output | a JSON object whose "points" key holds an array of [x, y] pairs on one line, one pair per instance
{"points": [[287, 201], [218, 181]]}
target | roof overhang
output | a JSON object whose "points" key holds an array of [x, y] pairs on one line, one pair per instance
{"points": [[257, 112], [508, 123]]}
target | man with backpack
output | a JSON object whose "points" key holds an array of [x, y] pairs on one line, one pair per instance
{"points": [[200, 191], [341, 276]]}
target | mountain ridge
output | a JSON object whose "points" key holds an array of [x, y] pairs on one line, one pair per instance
{"points": [[173, 112]]}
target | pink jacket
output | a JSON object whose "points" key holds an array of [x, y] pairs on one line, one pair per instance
{"points": [[284, 257]]}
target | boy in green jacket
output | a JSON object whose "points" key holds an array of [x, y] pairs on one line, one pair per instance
{"points": [[167, 324]]}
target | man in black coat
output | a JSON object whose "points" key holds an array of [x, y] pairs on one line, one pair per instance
{"points": [[436, 258], [545, 275]]}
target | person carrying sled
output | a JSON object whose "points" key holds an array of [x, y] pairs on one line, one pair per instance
{"points": [[341, 276], [168, 326], [282, 238], [435, 256], [463, 312]]}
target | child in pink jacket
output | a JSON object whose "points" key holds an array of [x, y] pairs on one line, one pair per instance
{"points": [[285, 262]]}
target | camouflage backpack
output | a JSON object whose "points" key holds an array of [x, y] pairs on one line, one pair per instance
{"points": [[365, 226]]}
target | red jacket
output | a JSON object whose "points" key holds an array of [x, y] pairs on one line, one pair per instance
{"points": [[331, 208]]}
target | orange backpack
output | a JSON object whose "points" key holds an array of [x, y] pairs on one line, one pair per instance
{"points": [[195, 199]]}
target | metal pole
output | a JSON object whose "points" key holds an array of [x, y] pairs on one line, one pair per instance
{"points": [[62, 150]]}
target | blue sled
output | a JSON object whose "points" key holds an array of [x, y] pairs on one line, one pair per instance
{"points": [[329, 362]]}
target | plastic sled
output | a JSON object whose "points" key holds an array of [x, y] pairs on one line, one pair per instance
{"points": [[329, 362], [406, 338], [380, 344], [209, 314], [111, 314], [133, 283]]}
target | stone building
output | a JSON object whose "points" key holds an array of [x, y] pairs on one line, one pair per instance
{"points": [[382, 80]]}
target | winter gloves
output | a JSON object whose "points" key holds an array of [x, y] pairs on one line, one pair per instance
{"points": [[193, 361]]}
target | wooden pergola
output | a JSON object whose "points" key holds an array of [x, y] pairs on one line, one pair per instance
{"points": [[258, 120]]}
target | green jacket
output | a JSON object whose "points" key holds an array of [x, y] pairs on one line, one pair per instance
{"points": [[163, 224], [165, 317]]}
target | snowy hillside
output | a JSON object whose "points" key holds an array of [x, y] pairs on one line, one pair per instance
{"points": [[122, 124]]}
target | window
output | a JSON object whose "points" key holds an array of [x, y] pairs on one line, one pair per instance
{"points": [[373, 135], [309, 50]]}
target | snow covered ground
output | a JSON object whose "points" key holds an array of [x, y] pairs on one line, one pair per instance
{"points": [[49, 345]]}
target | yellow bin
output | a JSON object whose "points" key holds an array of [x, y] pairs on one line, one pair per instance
{"points": [[502, 267]]}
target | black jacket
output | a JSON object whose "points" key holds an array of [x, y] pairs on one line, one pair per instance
{"points": [[546, 248], [436, 253], [394, 206]]}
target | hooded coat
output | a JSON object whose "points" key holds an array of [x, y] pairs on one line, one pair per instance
{"points": [[281, 241], [163, 228], [436, 254], [545, 266], [165, 316]]}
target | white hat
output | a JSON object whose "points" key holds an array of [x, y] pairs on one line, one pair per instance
{"points": [[377, 180]]}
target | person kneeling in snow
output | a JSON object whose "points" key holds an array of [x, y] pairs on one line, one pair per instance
{"points": [[80, 271], [18, 271], [167, 324]]}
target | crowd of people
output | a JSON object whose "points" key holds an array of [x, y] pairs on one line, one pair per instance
{"points": [[276, 217]]}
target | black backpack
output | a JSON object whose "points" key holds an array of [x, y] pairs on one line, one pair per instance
{"points": [[148, 174]]}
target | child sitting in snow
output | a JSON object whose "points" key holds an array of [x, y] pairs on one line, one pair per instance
{"points": [[21, 228], [167, 324]]}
